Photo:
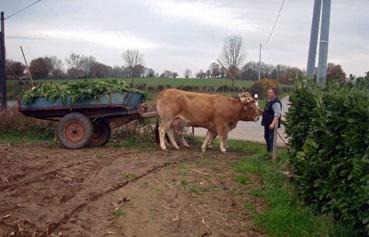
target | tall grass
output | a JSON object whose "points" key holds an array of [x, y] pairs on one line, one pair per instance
{"points": [[14, 126]]}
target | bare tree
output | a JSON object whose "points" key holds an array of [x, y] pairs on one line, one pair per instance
{"points": [[132, 58], [80, 65], [87, 63], [75, 65], [233, 54], [75, 61], [187, 73]]}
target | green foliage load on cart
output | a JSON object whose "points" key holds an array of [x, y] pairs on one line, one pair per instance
{"points": [[328, 130], [76, 90]]}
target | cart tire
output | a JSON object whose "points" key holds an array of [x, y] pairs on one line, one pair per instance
{"points": [[101, 134], [75, 130]]}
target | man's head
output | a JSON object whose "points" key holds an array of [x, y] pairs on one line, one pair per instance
{"points": [[272, 93]]}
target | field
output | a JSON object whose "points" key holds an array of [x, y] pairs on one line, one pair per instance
{"points": [[172, 82]]}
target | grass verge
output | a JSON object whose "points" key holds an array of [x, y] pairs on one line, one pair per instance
{"points": [[15, 137], [284, 215]]}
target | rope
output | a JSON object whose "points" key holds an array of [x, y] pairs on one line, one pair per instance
{"points": [[279, 135], [232, 77]]}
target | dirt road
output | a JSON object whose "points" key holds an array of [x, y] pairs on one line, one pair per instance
{"points": [[111, 191]]}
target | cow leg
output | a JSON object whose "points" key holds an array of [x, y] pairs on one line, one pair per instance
{"points": [[226, 141], [164, 126], [172, 140], [222, 133], [208, 136], [210, 143], [183, 140]]}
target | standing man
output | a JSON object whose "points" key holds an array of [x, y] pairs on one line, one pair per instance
{"points": [[271, 117]]}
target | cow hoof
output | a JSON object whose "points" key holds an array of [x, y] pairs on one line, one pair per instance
{"points": [[164, 148], [224, 151], [203, 149]]}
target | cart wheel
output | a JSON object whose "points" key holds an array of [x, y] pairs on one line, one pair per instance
{"points": [[75, 130], [101, 134]]}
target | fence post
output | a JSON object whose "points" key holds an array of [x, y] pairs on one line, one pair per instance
{"points": [[3, 97]]}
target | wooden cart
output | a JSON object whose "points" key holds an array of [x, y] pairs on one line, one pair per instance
{"points": [[86, 122]]}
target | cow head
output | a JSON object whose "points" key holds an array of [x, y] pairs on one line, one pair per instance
{"points": [[251, 111]]}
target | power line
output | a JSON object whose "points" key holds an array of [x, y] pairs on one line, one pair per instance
{"points": [[275, 23], [19, 11]]}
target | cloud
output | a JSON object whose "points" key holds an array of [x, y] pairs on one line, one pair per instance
{"points": [[205, 12], [107, 39]]}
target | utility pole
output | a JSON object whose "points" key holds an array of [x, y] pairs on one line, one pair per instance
{"points": [[259, 75], [3, 95], [313, 39], [324, 39]]}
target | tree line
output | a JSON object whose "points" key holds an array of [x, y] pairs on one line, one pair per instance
{"points": [[231, 64]]}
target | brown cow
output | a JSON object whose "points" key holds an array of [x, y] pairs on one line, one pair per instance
{"points": [[217, 113]]}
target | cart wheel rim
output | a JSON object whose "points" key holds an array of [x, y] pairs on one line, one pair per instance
{"points": [[74, 131]]}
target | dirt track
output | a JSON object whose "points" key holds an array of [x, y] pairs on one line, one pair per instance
{"points": [[49, 191]]}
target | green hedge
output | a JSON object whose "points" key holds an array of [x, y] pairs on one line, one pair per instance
{"points": [[328, 130]]}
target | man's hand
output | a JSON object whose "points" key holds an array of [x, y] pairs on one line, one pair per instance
{"points": [[274, 122]]}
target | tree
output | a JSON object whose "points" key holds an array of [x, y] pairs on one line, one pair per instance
{"points": [[201, 74], [118, 71], [168, 74], [87, 63], [174, 75], [100, 70], [75, 65], [14, 69], [335, 72], [132, 58], [214, 70], [250, 71], [79, 65], [55, 67], [40, 68], [363, 81], [187, 73], [233, 54], [149, 72], [137, 71]]}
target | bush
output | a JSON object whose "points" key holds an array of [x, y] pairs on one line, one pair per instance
{"points": [[261, 87], [328, 130], [12, 121]]}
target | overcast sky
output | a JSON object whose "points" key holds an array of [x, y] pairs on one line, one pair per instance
{"points": [[178, 34]]}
